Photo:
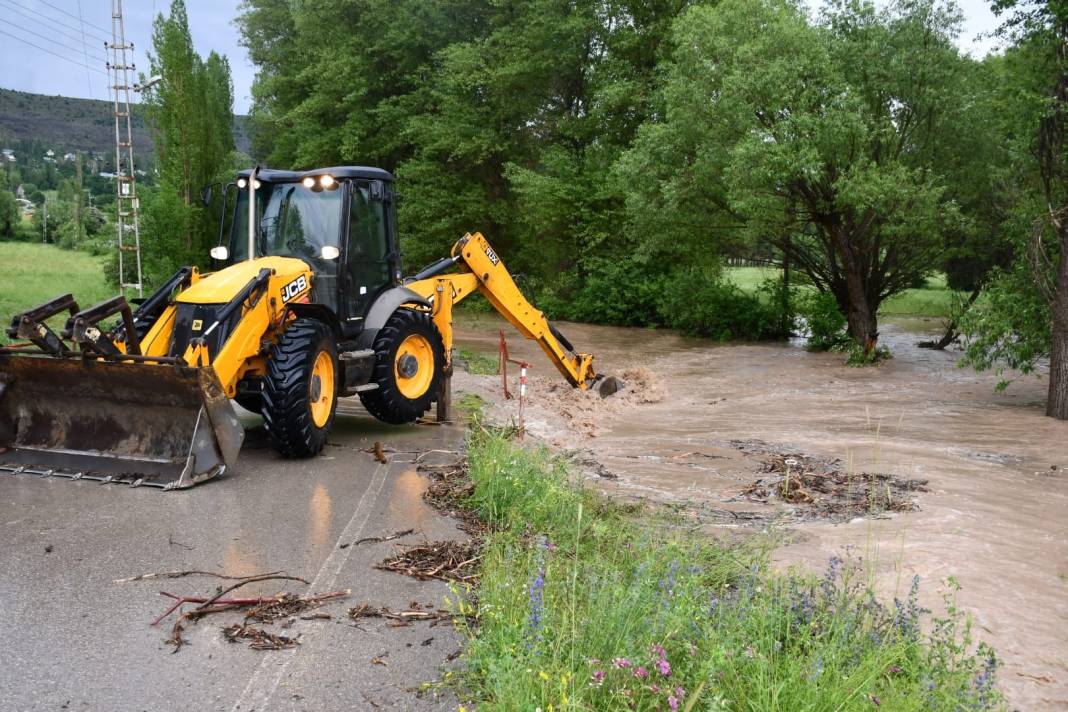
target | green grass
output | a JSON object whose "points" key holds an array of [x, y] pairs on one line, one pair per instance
{"points": [[933, 300], [36, 273], [582, 605], [749, 279], [477, 362]]}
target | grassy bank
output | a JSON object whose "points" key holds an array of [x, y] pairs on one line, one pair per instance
{"points": [[37, 273], [585, 604], [934, 299]]}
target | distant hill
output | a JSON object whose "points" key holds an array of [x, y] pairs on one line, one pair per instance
{"points": [[65, 123]]}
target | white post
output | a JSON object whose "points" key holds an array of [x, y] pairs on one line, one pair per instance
{"points": [[252, 213]]}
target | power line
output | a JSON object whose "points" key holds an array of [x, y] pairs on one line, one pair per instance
{"points": [[59, 9], [85, 51], [45, 38], [54, 54], [41, 15], [80, 38]]}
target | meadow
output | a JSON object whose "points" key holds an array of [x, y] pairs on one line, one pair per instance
{"points": [[934, 299], [35, 273]]}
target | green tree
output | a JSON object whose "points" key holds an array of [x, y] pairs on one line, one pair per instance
{"points": [[10, 215], [190, 113], [822, 139], [1026, 316]]}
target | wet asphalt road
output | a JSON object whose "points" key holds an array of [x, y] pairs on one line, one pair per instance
{"points": [[72, 639]]}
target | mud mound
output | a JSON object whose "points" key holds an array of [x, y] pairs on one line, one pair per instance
{"points": [[819, 489]]}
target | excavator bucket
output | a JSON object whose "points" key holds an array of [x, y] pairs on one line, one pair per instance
{"points": [[153, 424]]}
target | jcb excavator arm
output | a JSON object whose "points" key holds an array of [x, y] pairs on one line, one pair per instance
{"points": [[481, 270]]}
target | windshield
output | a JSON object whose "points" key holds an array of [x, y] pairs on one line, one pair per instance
{"points": [[292, 221]]}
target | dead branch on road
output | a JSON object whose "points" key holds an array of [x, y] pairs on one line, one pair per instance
{"points": [[442, 560], [193, 572], [377, 539], [399, 618], [261, 639]]}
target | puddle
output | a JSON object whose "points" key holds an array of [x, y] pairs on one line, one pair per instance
{"points": [[698, 420]]}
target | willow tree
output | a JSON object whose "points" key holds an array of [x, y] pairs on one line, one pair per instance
{"points": [[821, 137]]}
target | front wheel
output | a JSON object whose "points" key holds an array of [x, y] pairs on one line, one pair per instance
{"points": [[409, 359], [300, 391]]}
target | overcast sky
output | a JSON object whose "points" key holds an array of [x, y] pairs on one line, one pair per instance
{"points": [[41, 46]]}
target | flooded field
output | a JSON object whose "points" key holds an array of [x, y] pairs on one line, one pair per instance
{"points": [[916, 466]]}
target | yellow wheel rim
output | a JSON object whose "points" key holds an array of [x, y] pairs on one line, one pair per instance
{"points": [[413, 366], [321, 389]]}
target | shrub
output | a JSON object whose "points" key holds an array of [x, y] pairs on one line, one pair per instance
{"points": [[826, 323], [701, 303]]}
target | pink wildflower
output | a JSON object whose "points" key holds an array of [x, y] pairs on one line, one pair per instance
{"points": [[664, 667], [594, 661], [597, 677], [654, 688], [621, 663], [659, 650], [641, 672], [673, 702], [680, 693]]}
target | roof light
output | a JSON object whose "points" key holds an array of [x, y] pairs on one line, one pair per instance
{"points": [[256, 184], [242, 183], [327, 181], [308, 182]]}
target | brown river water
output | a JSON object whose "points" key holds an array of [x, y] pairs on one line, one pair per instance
{"points": [[699, 420]]}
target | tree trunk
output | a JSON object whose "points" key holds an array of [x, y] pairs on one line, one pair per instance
{"points": [[1057, 402], [860, 316]]}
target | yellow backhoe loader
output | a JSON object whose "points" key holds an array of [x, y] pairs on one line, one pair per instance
{"points": [[308, 305]]}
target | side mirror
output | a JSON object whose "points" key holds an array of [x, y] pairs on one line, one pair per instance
{"points": [[206, 193], [220, 253], [329, 252]]}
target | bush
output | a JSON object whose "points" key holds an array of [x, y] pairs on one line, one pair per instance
{"points": [[826, 323], [623, 292], [701, 303]]}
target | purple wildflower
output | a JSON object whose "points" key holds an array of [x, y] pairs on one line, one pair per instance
{"points": [[680, 693], [659, 651], [673, 702], [640, 672], [621, 663], [597, 677], [664, 667]]}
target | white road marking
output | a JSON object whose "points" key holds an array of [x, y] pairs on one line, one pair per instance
{"points": [[265, 680]]}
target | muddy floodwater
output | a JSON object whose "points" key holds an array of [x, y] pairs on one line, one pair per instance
{"points": [[955, 479]]}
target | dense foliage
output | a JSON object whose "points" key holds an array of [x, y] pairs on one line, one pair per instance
{"points": [[190, 115], [618, 151]]}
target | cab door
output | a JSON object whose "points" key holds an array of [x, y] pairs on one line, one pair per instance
{"points": [[367, 252]]}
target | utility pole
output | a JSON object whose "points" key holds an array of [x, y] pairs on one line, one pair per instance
{"points": [[126, 203]]}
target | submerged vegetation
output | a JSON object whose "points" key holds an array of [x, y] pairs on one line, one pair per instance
{"points": [[581, 605]]}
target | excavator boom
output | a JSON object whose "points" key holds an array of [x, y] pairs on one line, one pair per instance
{"points": [[481, 270]]}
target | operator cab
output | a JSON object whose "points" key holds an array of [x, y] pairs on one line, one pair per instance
{"points": [[341, 221]]}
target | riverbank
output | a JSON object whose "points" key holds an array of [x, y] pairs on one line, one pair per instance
{"points": [[698, 430], [584, 603]]}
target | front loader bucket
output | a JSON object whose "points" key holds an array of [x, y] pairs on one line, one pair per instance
{"points": [[154, 424]]}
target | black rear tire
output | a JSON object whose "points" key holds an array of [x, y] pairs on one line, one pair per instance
{"points": [[291, 388], [390, 402]]}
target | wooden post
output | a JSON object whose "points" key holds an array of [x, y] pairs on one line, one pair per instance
{"points": [[445, 395]]}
